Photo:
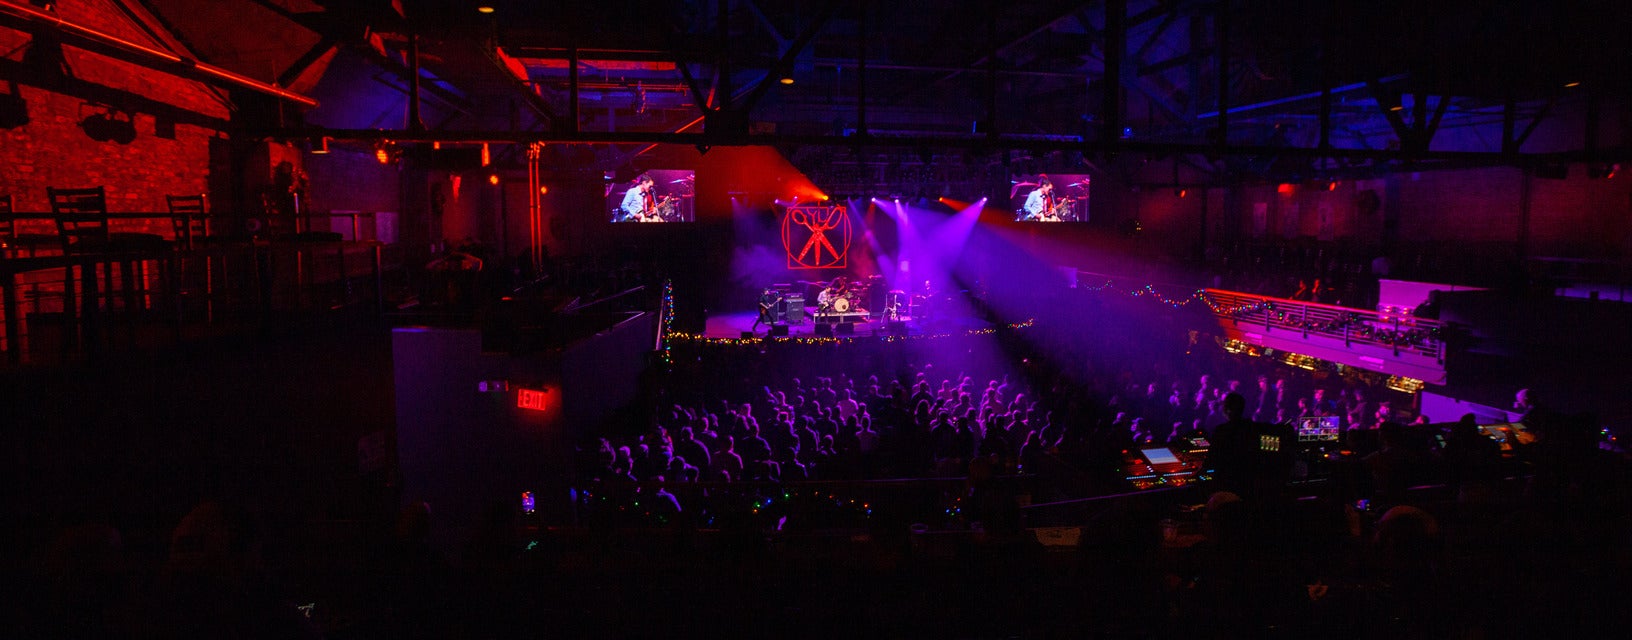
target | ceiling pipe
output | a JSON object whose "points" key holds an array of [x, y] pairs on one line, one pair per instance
{"points": [[980, 143], [103, 42]]}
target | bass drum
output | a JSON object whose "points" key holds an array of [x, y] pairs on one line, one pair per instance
{"points": [[841, 305]]}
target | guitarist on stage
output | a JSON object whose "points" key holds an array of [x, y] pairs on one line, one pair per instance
{"points": [[767, 303], [1042, 207]]}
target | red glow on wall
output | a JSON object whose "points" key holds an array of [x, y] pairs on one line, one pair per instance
{"points": [[530, 399], [1285, 189]]}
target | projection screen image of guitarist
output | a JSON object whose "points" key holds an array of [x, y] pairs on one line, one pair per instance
{"points": [[659, 195], [1050, 198]]}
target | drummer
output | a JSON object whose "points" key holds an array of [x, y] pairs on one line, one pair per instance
{"points": [[830, 296]]}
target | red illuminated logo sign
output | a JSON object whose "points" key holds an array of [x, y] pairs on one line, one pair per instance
{"points": [[530, 399], [816, 237]]}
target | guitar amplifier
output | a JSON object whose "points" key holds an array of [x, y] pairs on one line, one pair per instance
{"points": [[795, 308]]}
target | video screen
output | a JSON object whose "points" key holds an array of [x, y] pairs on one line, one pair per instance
{"points": [[1050, 198], [1160, 455], [1319, 429], [659, 195]]}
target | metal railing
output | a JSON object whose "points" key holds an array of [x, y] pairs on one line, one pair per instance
{"points": [[1403, 333]]}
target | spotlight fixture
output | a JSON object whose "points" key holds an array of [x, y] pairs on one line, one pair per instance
{"points": [[484, 9], [1332, 186], [1572, 85], [543, 190], [386, 152], [1182, 193], [786, 80], [109, 127], [1398, 107], [492, 178]]}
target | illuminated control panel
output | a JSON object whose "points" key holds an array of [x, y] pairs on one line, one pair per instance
{"points": [[1171, 466]]}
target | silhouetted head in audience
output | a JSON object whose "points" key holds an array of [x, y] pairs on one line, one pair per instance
{"points": [[215, 540], [1234, 406]]}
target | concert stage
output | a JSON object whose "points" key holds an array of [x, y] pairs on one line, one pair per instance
{"points": [[731, 325]]}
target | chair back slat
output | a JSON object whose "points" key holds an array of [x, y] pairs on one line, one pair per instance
{"points": [[82, 218], [187, 219], [8, 225]]}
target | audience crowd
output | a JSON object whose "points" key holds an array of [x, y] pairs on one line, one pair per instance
{"points": [[743, 443]]}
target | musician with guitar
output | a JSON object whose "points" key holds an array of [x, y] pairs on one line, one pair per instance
{"points": [[640, 204], [1040, 204], [767, 306]]}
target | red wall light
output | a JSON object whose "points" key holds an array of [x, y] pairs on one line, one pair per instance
{"points": [[1286, 188], [530, 399]]}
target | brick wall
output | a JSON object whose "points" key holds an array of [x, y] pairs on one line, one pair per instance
{"points": [[53, 151]]}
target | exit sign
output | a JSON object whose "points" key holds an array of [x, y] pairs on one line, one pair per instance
{"points": [[530, 399]]}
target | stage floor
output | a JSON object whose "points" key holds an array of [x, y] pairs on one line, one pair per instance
{"points": [[731, 325]]}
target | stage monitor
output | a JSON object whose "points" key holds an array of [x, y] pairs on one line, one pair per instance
{"points": [[1050, 198], [1318, 428], [659, 195]]}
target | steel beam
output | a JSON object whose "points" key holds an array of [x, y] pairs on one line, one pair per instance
{"points": [[111, 45], [785, 62], [1116, 33], [948, 142]]}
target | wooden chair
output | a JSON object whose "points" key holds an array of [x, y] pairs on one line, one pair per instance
{"points": [[14, 243], [187, 220], [82, 227]]}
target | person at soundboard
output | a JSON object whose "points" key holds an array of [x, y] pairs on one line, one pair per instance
{"points": [[1252, 459]]}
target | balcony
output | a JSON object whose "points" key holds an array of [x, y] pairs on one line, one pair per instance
{"points": [[1397, 344]]}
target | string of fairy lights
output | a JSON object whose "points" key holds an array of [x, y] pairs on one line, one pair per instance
{"points": [[666, 341], [1354, 324], [681, 337]]}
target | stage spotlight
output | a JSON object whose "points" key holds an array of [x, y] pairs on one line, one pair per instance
{"points": [[484, 9], [105, 127], [1332, 186], [543, 190], [1285, 188], [1397, 108], [1181, 192], [786, 80], [492, 178], [1572, 85]]}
